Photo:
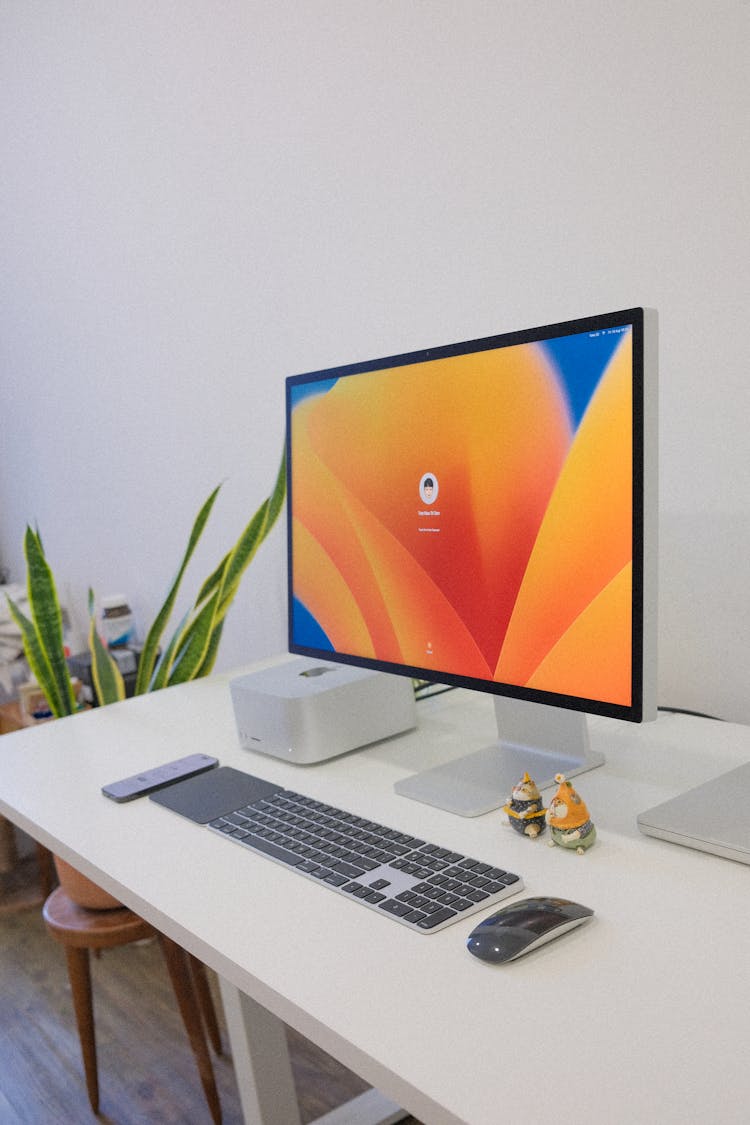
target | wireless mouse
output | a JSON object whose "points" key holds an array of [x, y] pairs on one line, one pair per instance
{"points": [[523, 926]]}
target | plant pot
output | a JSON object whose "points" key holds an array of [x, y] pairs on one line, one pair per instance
{"points": [[82, 890]]}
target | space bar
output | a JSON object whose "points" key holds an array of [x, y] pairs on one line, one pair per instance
{"points": [[265, 846]]}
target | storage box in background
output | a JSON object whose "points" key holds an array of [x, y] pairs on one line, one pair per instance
{"points": [[33, 705]]}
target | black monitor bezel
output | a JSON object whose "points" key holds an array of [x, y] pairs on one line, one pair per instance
{"points": [[635, 317]]}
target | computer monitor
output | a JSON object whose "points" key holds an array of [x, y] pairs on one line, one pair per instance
{"points": [[483, 514]]}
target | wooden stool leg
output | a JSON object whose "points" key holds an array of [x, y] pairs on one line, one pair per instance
{"points": [[177, 964], [205, 1001], [79, 974]]}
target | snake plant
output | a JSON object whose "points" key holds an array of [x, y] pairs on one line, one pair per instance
{"points": [[43, 634], [190, 652]]}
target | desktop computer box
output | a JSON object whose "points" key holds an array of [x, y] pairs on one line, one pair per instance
{"points": [[308, 710]]}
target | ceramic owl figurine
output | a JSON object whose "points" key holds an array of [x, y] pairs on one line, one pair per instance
{"points": [[568, 818], [525, 809]]}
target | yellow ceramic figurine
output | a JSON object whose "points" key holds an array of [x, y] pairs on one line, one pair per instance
{"points": [[525, 808], [568, 818]]}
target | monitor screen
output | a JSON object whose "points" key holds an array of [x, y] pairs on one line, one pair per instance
{"points": [[482, 514]]}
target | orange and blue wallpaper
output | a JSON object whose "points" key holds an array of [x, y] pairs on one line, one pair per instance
{"points": [[472, 515]]}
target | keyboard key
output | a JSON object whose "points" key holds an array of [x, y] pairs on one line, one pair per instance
{"points": [[432, 920], [336, 880], [367, 863], [349, 870], [274, 851], [477, 896], [393, 906]]}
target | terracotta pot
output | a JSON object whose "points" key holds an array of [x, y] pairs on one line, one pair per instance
{"points": [[82, 890]]}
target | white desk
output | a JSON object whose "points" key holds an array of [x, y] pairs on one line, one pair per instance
{"points": [[640, 1016]]}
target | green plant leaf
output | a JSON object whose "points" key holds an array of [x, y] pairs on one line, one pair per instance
{"points": [[160, 675], [108, 682], [227, 577], [191, 652], [248, 543], [193, 645], [242, 555], [47, 623], [146, 672], [213, 580], [213, 647], [37, 661], [277, 497]]}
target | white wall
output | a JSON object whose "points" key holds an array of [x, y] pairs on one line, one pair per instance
{"points": [[197, 199]]}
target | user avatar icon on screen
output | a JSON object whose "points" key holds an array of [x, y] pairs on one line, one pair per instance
{"points": [[428, 488]]}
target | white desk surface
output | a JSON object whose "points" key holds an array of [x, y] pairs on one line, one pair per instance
{"points": [[640, 1016]]}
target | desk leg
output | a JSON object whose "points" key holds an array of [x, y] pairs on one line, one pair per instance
{"points": [[370, 1108], [261, 1060], [264, 1074]]}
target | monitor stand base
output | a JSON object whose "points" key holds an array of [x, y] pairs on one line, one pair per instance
{"points": [[536, 739]]}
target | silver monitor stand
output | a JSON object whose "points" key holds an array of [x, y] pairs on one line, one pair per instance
{"points": [[532, 737]]}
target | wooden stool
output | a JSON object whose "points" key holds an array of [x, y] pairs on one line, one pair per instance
{"points": [[79, 930]]}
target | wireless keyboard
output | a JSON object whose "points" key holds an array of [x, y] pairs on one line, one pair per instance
{"points": [[420, 884]]}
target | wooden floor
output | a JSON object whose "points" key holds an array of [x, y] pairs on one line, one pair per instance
{"points": [[146, 1069]]}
